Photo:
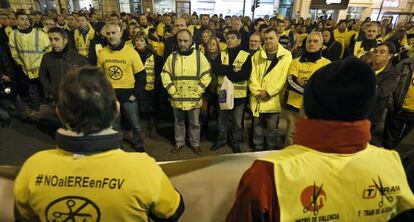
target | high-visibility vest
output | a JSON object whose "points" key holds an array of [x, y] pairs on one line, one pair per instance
{"points": [[185, 77], [359, 51], [28, 49], [369, 185], [149, 69], [82, 44], [240, 88]]}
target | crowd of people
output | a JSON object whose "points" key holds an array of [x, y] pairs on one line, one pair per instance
{"points": [[164, 64], [336, 82]]}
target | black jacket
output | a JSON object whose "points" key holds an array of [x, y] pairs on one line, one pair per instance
{"points": [[387, 82], [6, 64], [333, 51], [55, 65], [405, 71]]}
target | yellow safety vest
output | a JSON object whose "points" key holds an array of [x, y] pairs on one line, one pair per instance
{"points": [[157, 46], [240, 88], [82, 44], [369, 185], [273, 81], [28, 49], [149, 68], [303, 70], [409, 97], [120, 66], [185, 78], [359, 51]]}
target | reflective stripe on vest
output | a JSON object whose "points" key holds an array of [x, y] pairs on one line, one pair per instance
{"points": [[368, 186], [240, 88]]}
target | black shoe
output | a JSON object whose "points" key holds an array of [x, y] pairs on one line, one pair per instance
{"points": [[217, 146], [236, 149]]}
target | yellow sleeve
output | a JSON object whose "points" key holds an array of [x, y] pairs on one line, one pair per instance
{"points": [[205, 74], [404, 41], [149, 68], [137, 65], [294, 68], [23, 211], [100, 61], [160, 50], [254, 81], [168, 199], [166, 77], [13, 48], [281, 78]]}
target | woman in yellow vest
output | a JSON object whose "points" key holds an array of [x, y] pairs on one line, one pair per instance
{"points": [[332, 173], [147, 97]]}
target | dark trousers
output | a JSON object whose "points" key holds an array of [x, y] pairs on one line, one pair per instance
{"points": [[130, 111], [34, 94], [397, 126], [265, 131], [235, 117]]}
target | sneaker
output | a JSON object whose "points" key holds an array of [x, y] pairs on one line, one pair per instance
{"points": [[198, 150]]}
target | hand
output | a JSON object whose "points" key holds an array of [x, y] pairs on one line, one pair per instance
{"points": [[302, 81], [264, 95], [5, 78]]}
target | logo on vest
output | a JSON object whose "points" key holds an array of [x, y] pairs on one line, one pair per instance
{"points": [[386, 200], [72, 208], [115, 73], [313, 199]]}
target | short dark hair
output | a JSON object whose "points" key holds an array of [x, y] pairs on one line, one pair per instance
{"points": [[269, 30], [389, 45], [59, 30], [87, 102], [233, 32]]}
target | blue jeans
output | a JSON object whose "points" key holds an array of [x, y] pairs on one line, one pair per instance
{"points": [[235, 117], [265, 128], [130, 110], [194, 126]]}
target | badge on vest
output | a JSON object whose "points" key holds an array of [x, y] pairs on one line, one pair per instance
{"points": [[313, 198]]}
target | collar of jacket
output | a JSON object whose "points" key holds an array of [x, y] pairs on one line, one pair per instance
{"points": [[281, 51], [62, 53], [368, 44], [186, 52], [94, 143], [387, 68], [333, 136], [26, 31], [118, 47], [145, 54], [310, 56]]}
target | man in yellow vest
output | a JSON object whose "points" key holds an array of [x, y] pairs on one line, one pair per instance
{"points": [[88, 177], [144, 24], [185, 76], [342, 36], [300, 70], [235, 64], [27, 46], [360, 48], [167, 22], [268, 79], [332, 173], [83, 35], [124, 69]]}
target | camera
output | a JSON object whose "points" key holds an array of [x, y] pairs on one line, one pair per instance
{"points": [[7, 89]]}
